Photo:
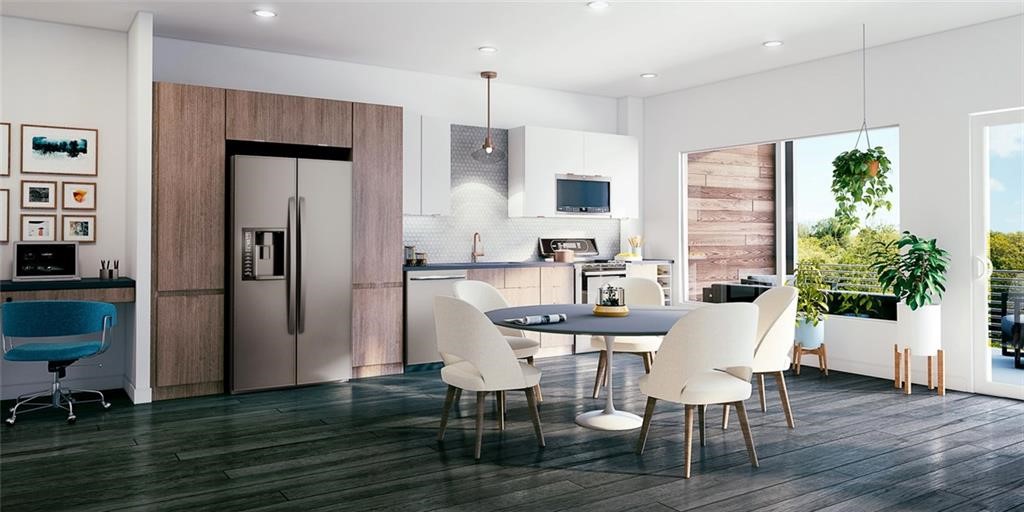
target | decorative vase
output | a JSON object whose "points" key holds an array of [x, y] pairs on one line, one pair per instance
{"points": [[808, 335], [920, 329]]}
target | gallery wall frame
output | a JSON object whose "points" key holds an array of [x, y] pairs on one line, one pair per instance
{"points": [[5, 149], [78, 195], [38, 228], [5, 215], [38, 195], [65, 150], [78, 228]]}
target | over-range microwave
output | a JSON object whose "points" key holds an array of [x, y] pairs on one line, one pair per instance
{"points": [[583, 194]]}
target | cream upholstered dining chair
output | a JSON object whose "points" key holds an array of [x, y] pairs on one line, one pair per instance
{"points": [[478, 359], [705, 359], [486, 298], [776, 332], [639, 292]]}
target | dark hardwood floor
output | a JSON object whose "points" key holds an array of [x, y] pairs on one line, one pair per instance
{"points": [[370, 445]]}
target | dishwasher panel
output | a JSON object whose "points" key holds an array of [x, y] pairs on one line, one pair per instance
{"points": [[420, 289]]}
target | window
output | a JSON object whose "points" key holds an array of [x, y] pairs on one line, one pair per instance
{"points": [[842, 253]]}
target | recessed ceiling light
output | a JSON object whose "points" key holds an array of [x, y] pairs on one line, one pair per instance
{"points": [[487, 49], [264, 13], [597, 5], [649, 75], [771, 44]]}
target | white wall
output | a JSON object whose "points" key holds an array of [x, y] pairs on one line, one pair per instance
{"points": [[68, 76], [460, 100], [928, 86]]}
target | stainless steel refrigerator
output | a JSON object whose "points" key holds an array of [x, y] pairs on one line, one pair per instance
{"points": [[291, 283]]}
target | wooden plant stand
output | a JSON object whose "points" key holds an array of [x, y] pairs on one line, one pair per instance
{"points": [[821, 352], [902, 379]]}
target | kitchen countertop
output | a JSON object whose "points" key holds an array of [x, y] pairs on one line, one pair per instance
{"points": [[504, 264], [86, 283]]}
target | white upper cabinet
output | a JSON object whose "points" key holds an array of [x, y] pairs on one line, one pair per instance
{"points": [[618, 157], [537, 155], [427, 165]]}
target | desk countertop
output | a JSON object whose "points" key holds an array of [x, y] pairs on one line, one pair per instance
{"points": [[86, 283]]}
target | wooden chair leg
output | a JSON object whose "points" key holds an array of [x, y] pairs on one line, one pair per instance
{"points": [[648, 361], [646, 427], [941, 370], [896, 381], [907, 385], [725, 416], [741, 413], [536, 389], [701, 410], [480, 396], [930, 386], [823, 358], [780, 382], [602, 368], [688, 439], [500, 395], [531, 402], [449, 399], [760, 391], [797, 355]]}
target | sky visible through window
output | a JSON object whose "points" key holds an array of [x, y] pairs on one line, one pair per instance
{"points": [[1006, 177], [812, 175]]}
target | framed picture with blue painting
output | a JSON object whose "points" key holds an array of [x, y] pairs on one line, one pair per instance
{"points": [[59, 150]]}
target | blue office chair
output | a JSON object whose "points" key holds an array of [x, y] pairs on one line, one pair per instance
{"points": [[41, 319]]}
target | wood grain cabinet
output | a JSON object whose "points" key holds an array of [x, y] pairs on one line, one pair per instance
{"points": [[377, 240], [189, 211], [557, 286], [260, 116]]}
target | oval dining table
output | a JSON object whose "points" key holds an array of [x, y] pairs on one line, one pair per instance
{"points": [[580, 320]]}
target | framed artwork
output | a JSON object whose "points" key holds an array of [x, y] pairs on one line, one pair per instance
{"points": [[38, 228], [38, 195], [5, 215], [59, 150], [5, 149], [78, 196], [78, 228]]}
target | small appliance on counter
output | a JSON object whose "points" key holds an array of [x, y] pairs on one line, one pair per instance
{"points": [[565, 255], [583, 247], [46, 261]]}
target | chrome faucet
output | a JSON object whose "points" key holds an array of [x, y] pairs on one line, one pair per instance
{"points": [[478, 247]]}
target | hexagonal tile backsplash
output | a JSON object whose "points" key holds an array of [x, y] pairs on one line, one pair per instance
{"points": [[480, 204]]}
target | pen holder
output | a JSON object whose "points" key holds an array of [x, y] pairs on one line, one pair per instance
{"points": [[108, 273]]}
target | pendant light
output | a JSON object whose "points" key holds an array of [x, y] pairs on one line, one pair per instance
{"points": [[487, 153]]}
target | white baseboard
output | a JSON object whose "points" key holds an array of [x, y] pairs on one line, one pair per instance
{"points": [[138, 395]]}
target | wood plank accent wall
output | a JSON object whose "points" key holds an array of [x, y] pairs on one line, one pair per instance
{"points": [[731, 215]]}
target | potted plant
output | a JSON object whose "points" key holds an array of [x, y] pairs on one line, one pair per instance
{"points": [[811, 304], [861, 177], [914, 269]]}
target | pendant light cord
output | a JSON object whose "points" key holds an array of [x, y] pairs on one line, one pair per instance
{"points": [[489, 109], [864, 86]]}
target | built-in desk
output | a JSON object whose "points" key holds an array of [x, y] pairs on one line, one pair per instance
{"points": [[90, 288]]}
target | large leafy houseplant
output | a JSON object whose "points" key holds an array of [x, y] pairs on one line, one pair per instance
{"points": [[913, 269], [861, 177], [812, 301]]}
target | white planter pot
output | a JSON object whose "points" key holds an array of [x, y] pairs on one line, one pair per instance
{"points": [[920, 329], [810, 336]]}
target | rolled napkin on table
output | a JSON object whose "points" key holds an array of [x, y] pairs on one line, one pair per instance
{"points": [[538, 319]]}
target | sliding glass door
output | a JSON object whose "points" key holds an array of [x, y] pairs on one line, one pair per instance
{"points": [[997, 167]]}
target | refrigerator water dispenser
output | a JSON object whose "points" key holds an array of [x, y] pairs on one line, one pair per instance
{"points": [[263, 254]]}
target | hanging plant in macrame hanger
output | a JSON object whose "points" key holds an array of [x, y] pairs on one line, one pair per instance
{"points": [[861, 177]]}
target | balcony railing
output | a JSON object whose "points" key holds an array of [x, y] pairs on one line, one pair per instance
{"points": [[1004, 286]]}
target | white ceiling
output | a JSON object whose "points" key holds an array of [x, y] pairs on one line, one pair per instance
{"points": [[554, 44]]}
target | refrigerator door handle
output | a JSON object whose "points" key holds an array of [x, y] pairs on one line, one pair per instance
{"points": [[291, 263], [301, 295]]}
